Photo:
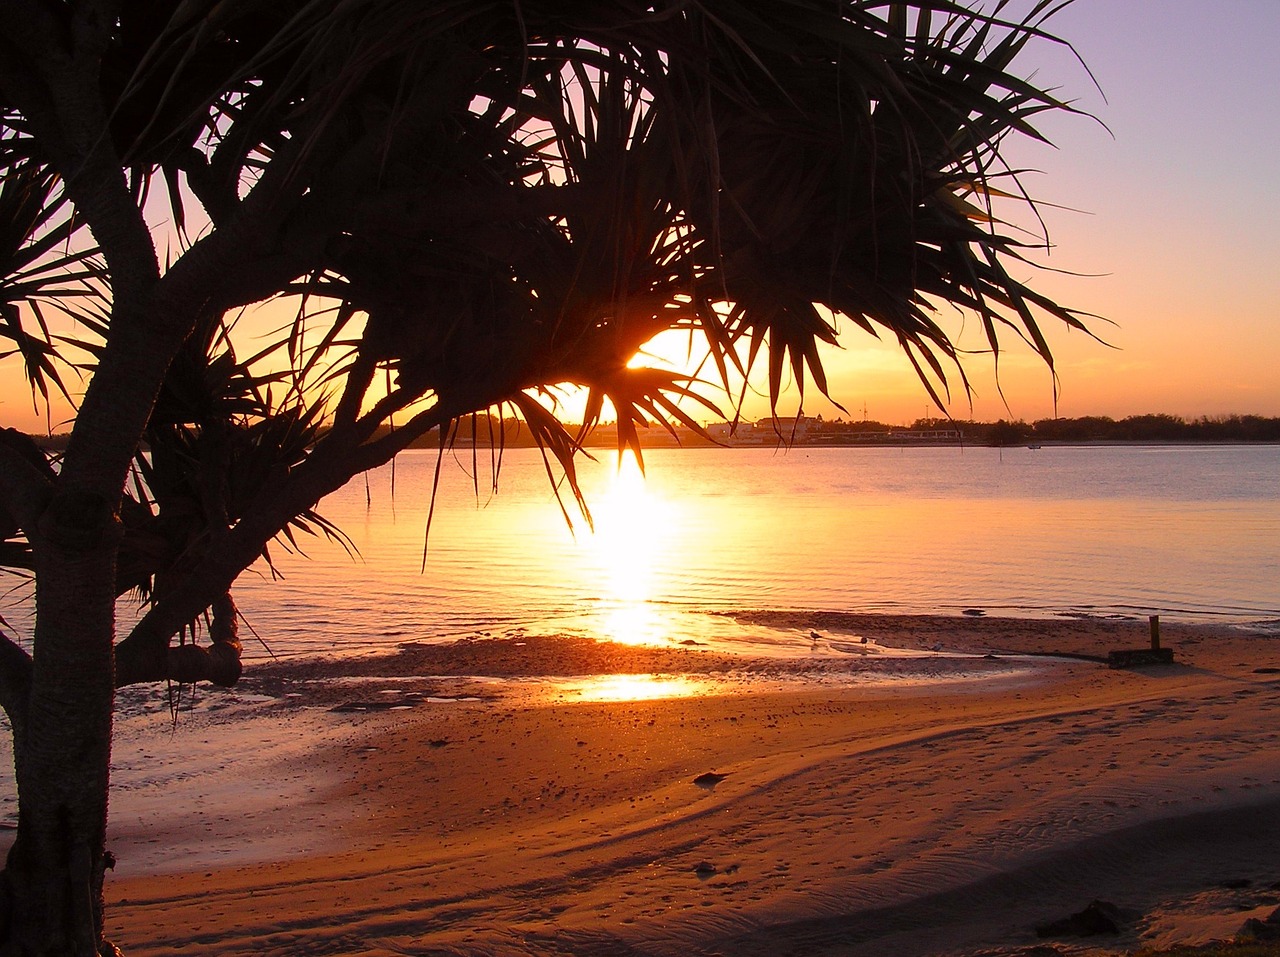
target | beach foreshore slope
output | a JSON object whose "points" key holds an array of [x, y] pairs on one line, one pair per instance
{"points": [[767, 811]]}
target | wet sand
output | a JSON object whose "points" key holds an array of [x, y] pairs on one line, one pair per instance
{"points": [[856, 804]]}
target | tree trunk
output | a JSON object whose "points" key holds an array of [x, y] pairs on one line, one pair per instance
{"points": [[51, 891]]}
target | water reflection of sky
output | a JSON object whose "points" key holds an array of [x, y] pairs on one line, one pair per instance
{"points": [[1031, 533], [1018, 532]]}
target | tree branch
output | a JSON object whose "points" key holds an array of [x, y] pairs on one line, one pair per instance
{"points": [[15, 683], [359, 377], [383, 410], [25, 487], [57, 89], [217, 662], [385, 448], [144, 654]]}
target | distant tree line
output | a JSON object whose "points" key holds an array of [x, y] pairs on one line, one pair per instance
{"points": [[511, 432], [1101, 428]]}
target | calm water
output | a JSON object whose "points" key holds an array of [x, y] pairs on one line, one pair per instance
{"points": [[1188, 533]]}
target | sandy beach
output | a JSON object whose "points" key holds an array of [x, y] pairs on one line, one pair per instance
{"points": [[504, 798]]}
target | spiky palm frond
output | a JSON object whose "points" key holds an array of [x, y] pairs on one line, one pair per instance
{"points": [[43, 263], [813, 153], [843, 174]]}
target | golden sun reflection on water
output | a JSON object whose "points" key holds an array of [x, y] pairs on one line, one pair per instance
{"points": [[634, 622], [632, 531], [637, 687]]}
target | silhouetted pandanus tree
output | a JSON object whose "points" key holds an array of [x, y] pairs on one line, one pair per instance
{"points": [[464, 205]]}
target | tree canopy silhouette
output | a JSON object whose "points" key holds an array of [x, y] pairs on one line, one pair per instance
{"points": [[463, 205]]}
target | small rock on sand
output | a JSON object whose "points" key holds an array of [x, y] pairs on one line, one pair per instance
{"points": [[1100, 917], [1268, 929]]}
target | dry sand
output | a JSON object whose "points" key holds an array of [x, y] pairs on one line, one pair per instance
{"points": [[948, 806]]}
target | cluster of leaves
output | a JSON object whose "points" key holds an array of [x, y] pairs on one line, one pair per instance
{"points": [[36, 226]]}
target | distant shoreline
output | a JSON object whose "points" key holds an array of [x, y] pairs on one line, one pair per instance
{"points": [[815, 432], [960, 444], [694, 443]]}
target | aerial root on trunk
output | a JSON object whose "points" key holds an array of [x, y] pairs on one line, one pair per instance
{"points": [[218, 662]]}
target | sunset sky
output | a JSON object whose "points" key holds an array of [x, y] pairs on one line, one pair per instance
{"points": [[1177, 228], [1172, 216]]}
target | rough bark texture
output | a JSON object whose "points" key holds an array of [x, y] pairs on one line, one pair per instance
{"points": [[51, 889], [52, 883]]}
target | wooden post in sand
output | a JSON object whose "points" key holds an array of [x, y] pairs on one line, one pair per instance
{"points": [[1139, 657]]}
